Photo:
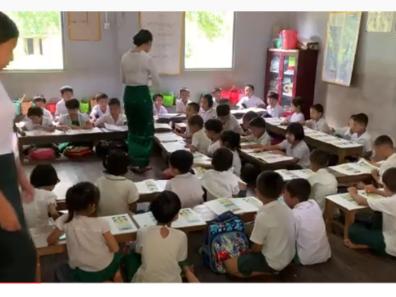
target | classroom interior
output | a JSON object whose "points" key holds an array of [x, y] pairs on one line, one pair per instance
{"points": [[94, 66]]}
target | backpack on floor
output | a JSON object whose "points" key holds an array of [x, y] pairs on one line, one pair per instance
{"points": [[225, 239], [77, 152], [42, 154]]}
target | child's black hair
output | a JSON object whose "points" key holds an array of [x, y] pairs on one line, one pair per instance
{"points": [[35, 111], [182, 160], [249, 174], [165, 207], [9, 29], [114, 101], [209, 98], [72, 104], [320, 158], [196, 121], [297, 102], [214, 125], [142, 37], [250, 86], [194, 106], [157, 95], [383, 140], [249, 116], [66, 89], [273, 95], [116, 162], [80, 196], [222, 159], [270, 184], [258, 122], [44, 175], [39, 99], [299, 188], [297, 130], [101, 96], [223, 110], [231, 140], [318, 107], [361, 118], [389, 179]]}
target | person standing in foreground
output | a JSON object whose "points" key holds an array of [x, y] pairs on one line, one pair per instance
{"points": [[17, 252], [137, 68]]}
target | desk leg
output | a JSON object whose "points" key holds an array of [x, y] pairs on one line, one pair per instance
{"points": [[20, 150], [349, 220], [341, 157], [38, 269], [328, 215]]}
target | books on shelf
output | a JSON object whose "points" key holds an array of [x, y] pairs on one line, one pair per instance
{"points": [[168, 137], [120, 224], [358, 168], [293, 174], [150, 186], [235, 205], [113, 128], [346, 201]]}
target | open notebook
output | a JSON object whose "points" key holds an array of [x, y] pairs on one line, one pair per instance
{"points": [[168, 137], [113, 128], [120, 224], [162, 127], [358, 168], [267, 157], [150, 186], [346, 201], [293, 174], [235, 205]]}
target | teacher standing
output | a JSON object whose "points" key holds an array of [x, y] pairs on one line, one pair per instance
{"points": [[137, 68], [17, 253]]}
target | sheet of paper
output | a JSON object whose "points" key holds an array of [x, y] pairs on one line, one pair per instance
{"points": [[205, 212], [162, 127], [112, 128], [201, 159], [293, 174], [83, 131], [168, 137], [221, 205], [171, 147], [345, 200], [144, 219], [271, 158], [43, 133], [150, 186], [358, 168], [120, 224], [274, 121]]}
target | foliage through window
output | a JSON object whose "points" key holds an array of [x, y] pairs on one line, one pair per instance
{"points": [[40, 44], [208, 39]]}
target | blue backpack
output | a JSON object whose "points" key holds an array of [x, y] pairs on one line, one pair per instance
{"points": [[225, 239]]}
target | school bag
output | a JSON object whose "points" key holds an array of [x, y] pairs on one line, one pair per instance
{"points": [[77, 152], [225, 239], [42, 154]]}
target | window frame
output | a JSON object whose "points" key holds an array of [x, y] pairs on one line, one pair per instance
{"points": [[203, 69]]}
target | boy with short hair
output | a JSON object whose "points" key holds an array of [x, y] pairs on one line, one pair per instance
{"points": [[158, 107], [200, 142], [312, 243], [115, 115], [230, 123], [273, 234], [74, 119], [186, 185], [273, 108], [213, 130], [40, 102], [67, 94], [37, 121], [383, 150], [181, 103], [246, 119], [359, 131], [259, 135], [250, 100], [101, 108], [317, 121]]}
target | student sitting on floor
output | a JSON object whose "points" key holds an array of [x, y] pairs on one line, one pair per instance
{"points": [[227, 119], [101, 108], [273, 237], [258, 136], [67, 94], [92, 249], [323, 183], [297, 116], [207, 111], [74, 119], [221, 182], [359, 132], [294, 145], [232, 141], [118, 194], [158, 107], [44, 179], [186, 185], [381, 239], [115, 115], [312, 243], [317, 121], [181, 103], [247, 118], [250, 100], [274, 110], [40, 101], [383, 151], [213, 128], [199, 142], [163, 249], [37, 121]]}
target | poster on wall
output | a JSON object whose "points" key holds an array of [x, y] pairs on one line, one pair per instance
{"points": [[379, 21], [84, 26], [340, 49]]}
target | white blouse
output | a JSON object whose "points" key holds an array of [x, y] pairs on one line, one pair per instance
{"points": [[7, 114], [137, 68]]}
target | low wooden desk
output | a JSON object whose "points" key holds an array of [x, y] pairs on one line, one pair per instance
{"points": [[263, 165]]}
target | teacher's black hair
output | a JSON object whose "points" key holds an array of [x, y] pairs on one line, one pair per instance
{"points": [[142, 37], [8, 29]]}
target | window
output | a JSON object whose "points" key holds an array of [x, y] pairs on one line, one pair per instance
{"points": [[208, 40], [40, 41]]}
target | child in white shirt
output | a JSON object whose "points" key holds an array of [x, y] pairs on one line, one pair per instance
{"points": [[380, 239], [44, 179], [40, 101], [192, 110], [227, 119], [163, 249], [158, 107], [317, 121], [186, 185], [312, 243], [91, 247], [200, 142], [359, 132], [74, 119], [207, 111], [213, 130], [221, 182], [246, 119], [216, 94], [297, 116], [101, 108], [232, 141], [114, 117], [323, 183], [273, 108], [37, 121], [250, 100], [258, 136], [181, 103], [67, 94], [273, 236], [118, 195], [383, 151]]}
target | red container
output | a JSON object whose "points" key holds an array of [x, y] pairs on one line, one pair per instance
{"points": [[289, 39], [51, 106]]}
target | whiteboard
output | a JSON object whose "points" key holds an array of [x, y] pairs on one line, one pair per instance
{"points": [[167, 29]]}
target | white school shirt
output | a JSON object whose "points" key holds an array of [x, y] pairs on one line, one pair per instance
{"points": [[274, 229], [323, 184], [249, 102], [296, 117], [159, 112], [275, 112], [364, 139], [220, 184], [96, 112], [264, 139], [312, 243], [180, 106], [60, 108], [300, 151], [160, 256], [108, 119], [201, 141], [319, 125], [47, 114], [46, 123], [188, 187], [116, 193], [36, 212], [208, 114], [387, 206], [236, 163], [390, 162], [343, 132], [214, 146], [137, 68], [7, 114], [232, 124], [65, 119], [86, 246]]}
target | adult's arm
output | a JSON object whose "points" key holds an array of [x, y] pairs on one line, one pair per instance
{"points": [[27, 188], [8, 218]]}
